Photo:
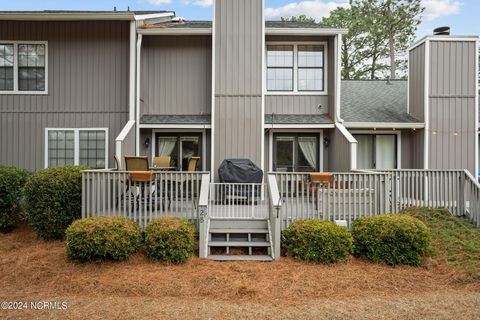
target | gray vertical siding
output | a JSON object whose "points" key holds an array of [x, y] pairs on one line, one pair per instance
{"points": [[339, 152], [87, 82], [305, 104], [176, 75], [416, 82], [238, 80], [296, 104], [452, 105], [412, 152]]}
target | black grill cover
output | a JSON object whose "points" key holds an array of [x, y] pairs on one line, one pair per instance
{"points": [[239, 171]]}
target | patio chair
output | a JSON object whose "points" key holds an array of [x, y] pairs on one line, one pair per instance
{"points": [[118, 164], [162, 162], [136, 163], [318, 180], [193, 164]]}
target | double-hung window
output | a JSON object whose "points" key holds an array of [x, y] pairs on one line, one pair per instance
{"points": [[23, 67], [85, 147], [296, 68]]}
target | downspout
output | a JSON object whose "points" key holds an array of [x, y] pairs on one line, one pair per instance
{"points": [[132, 70], [338, 78], [137, 140]]}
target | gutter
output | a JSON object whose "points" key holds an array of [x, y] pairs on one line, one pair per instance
{"points": [[385, 125]]}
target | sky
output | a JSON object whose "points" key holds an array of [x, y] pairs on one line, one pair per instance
{"points": [[461, 15]]}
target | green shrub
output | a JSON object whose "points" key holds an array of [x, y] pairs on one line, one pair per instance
{"points": [[12, 182], [317, 240], [102, 238], [392, 239], [170, 239], [53, 200]]}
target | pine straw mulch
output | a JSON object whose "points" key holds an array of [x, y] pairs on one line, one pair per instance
{"points": [[33, 268]]}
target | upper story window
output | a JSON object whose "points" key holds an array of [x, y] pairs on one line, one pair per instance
{"points": [[296, 68], [23, 67]]}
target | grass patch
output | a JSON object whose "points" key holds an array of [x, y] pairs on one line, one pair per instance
{"points": [[455, 241]]}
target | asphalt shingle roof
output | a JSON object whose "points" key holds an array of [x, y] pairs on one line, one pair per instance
{"points": [[375, 101], [297, 119], [175, 119], [208, 24]]}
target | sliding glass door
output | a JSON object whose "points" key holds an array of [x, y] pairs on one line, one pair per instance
{"points": [[376, 151], [179, 147], [295, 153]]}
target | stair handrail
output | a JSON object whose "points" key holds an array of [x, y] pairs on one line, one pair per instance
{"points": [[203, 219], [275, 206], [475, 200]]}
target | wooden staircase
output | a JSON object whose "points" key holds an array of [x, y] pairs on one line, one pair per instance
{"points": [[237, 239]]}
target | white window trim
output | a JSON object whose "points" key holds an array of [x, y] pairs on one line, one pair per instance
{"points": [[383, 132], [76, 137], [271, 140], [15, 68], [295, 91]]}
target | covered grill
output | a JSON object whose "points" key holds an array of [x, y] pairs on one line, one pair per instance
{"points": [[241, 178]]}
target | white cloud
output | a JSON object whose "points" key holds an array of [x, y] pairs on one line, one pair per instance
{"points": [[158, 2], [316, 9], [200, 3], [438, 8]]}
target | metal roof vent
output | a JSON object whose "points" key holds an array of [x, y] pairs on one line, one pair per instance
{"points": [[178, 19], [441, 31]]}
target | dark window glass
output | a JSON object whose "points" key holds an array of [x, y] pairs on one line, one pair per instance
{"points": [[92, 149], [61, 148], [296, 153], [180, 147], [6, 67], [31, 67]]}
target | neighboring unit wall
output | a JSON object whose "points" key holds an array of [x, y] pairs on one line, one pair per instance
{"points": [[342, 157], [416, 82], [412, 146], [452, 93], [176, 76], [87, 87], [238, 118]]}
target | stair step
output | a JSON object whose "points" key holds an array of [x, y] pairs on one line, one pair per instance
{"points": [[237, 230], [238, 224], [240, 258], [238, 244]]}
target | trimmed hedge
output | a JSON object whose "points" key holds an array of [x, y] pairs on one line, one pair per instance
{"points": [[12, 182], [53, 200], [391, 239], [170, 239], [317, 240], [102, 238]]}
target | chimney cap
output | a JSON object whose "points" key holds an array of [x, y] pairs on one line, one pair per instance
{"points": [[441, 31]]}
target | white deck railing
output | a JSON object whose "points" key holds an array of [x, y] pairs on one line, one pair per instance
{"points": [[238, 201], [106, 192], [348, 197], [455, 190]]}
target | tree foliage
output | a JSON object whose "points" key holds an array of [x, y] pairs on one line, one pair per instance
{"points": [[379, 33], [301, 18]]}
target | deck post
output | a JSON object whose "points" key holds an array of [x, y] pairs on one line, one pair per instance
{"points": [[275, 215], [203, 216]]}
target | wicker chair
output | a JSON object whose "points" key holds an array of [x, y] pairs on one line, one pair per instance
{"points": [[193, 164], [162, 162]]}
